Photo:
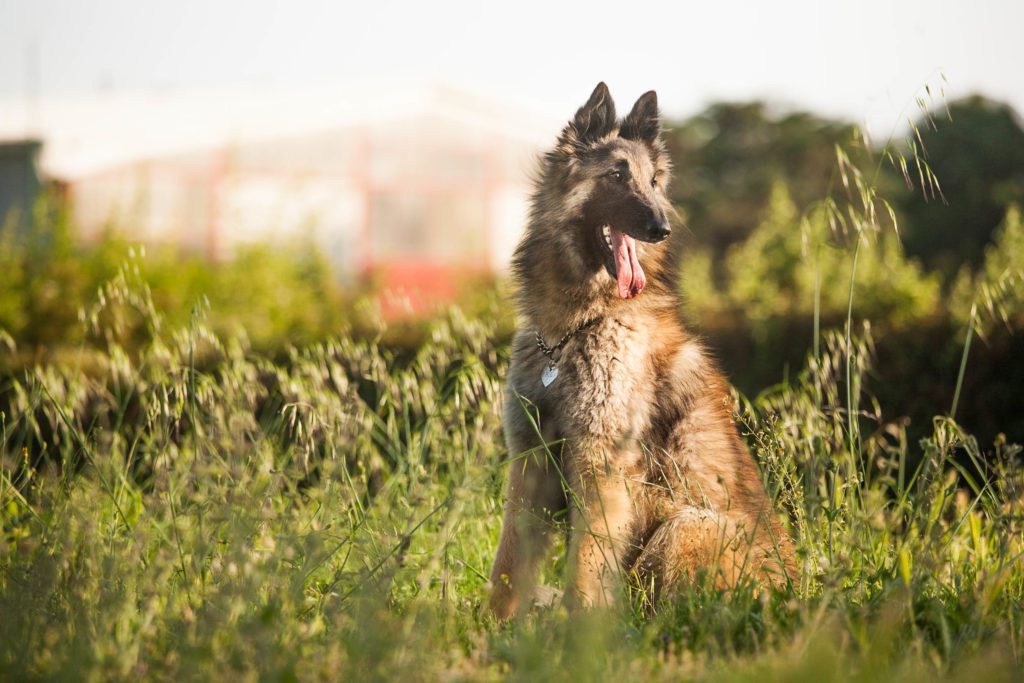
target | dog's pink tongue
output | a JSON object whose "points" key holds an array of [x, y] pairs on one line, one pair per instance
{"points": [[630, 275]]}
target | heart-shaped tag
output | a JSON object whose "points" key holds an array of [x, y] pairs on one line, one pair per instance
{"points": [[548, 375]]}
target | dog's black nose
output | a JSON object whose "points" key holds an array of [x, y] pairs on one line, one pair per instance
{"points": [[658, 230]]}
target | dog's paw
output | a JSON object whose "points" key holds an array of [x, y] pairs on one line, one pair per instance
{"points": [[546, 596]]}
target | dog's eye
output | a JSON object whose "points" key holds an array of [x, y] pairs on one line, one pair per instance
{"points": [[654, 181], [616, 176]]}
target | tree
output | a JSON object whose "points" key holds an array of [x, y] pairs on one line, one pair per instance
{"points": [[728, 158], [978, 158]]}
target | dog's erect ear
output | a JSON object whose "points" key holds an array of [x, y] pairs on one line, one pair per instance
{"points": [[594, 120], [642, 123]]}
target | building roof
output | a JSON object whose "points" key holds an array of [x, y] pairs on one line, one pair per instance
{"points": [[90, 134]]}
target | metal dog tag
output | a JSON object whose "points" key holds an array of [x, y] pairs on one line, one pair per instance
{"points": [[549, 374]]}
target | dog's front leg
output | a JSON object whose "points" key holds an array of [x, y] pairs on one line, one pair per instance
{"points": [[534, 494], [603, 515]]}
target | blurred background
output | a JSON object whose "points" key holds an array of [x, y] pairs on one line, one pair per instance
{"points": [[305, 169]]}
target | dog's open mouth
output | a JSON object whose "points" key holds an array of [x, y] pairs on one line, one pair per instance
{"points": [[622, 263]]}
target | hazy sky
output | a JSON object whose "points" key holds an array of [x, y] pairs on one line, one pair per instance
{"points": [[864, 60]]}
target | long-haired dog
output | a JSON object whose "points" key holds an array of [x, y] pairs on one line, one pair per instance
{"points": [[613, 410]]}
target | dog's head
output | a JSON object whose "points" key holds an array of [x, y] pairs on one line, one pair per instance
{"points": [[611, 176]]}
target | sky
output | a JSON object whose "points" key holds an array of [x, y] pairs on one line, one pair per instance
{"points": [[864, 61]]}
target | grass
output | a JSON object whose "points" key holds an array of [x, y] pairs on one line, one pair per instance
{"points": [[175, 505], [193, 510]]}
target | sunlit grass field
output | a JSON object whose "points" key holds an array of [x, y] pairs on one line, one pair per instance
{"points": [[183, 495], [190, 509]]}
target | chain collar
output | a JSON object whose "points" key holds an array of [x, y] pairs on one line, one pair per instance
{"points": [[550, 351]]}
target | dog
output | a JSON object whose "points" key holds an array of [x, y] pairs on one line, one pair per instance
{"points": [[615, 416]]}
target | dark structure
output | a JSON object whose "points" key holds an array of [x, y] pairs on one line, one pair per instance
{"points": [[19, 180]]}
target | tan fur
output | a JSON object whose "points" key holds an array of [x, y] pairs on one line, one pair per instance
{"points": [[635, 438]]}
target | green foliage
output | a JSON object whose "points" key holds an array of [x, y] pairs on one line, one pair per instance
{"points": [[729, 157], [790, 265], [47, 282], [976, 148], [194, 510], [996, 291], [269, 297]]}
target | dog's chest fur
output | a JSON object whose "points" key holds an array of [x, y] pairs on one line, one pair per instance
{"points": [[604, 389]]}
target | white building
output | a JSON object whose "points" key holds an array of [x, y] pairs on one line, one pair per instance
{"points": [[414, 185]]}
